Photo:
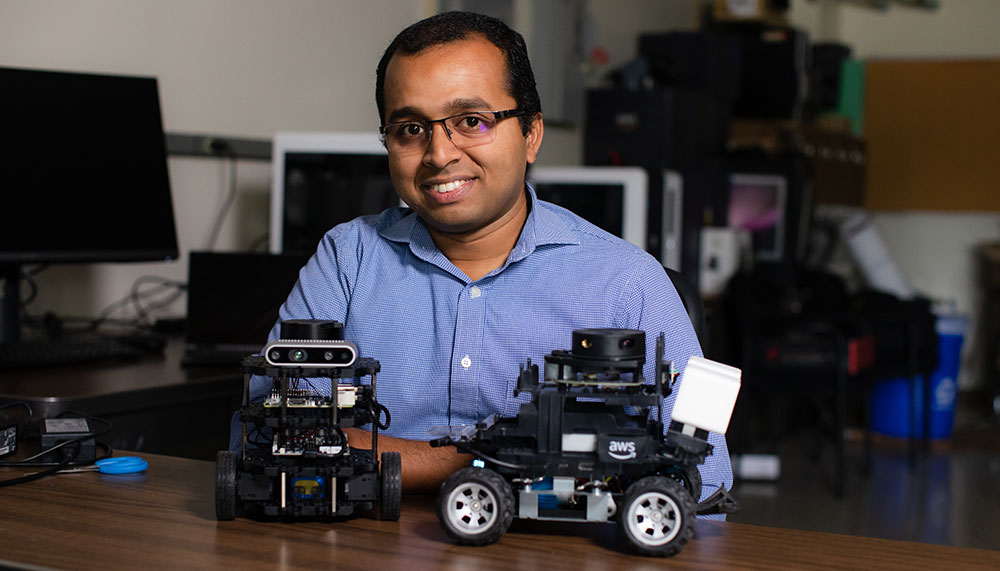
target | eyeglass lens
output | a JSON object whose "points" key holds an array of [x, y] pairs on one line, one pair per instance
{"points": [[464, 130]]}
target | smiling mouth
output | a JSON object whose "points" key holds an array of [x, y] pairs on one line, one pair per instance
{"points": [[448, 186]]}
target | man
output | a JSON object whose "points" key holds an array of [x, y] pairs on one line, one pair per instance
{"points": [[452, 294]]}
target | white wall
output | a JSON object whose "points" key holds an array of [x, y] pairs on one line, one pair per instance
{"points": [[237, 67], [934, 250], [958, 28], [964, 28]]}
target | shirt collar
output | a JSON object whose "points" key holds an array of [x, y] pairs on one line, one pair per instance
{"points": [[542, 227]]}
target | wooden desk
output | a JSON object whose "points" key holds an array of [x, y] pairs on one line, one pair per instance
{"points": [[154, 404], [165, 518]]}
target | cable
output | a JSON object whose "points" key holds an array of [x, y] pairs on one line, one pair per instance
{"points": [[38, 475], [259, 432], [108, 453], [28, 277], [135, 297], [142, 313], [22, 404], [222, 147], [260, 242], [466, 448], [51, 324], [24, 275], [377, 418]]}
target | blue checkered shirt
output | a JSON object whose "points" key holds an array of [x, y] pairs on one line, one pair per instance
{"points": [[450, 348]]}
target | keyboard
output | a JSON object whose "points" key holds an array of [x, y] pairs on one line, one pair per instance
{"points": [[70, 350]]}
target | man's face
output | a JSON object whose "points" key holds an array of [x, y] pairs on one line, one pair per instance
{"points": [[458, 191]]}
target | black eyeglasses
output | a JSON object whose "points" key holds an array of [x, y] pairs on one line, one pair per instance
{"points": [[466, 129]]}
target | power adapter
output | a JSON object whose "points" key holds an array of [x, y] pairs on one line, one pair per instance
{"points": [[58, 430], [8, 439]]}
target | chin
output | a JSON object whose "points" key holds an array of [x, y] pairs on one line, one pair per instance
{"points": [[444, 218], [452, 225]]}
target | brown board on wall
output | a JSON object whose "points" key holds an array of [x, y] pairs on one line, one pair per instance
{"points": [[933, 133]]}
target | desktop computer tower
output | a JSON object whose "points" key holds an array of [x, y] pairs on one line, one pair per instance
{"points": [[762, 71], [775, 63], [705, 62]]}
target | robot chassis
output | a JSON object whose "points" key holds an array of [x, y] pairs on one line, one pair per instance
{"points": [[586, 448], [304, 467]]}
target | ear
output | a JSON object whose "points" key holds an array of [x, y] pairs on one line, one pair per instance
{"points": [[534, 138]]}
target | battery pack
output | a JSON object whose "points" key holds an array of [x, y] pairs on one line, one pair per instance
{"points": [[58, 430]]}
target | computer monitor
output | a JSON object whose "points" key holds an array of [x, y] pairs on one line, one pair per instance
{"points": [[757, 203], [83, 165], [613, 198], [320, 180], [226, 320]]}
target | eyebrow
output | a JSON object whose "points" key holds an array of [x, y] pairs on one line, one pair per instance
{"points": [[453, 106]]}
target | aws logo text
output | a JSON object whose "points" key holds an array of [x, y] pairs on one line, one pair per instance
{"points": [[621, 449]]}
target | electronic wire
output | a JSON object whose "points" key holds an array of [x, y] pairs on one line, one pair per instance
{"points": [[230, 196]]}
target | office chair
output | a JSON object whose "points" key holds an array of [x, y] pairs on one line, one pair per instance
{"points": [[793, 334], [691, 299]]}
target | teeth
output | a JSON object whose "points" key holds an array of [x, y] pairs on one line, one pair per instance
{"points": [[448, 186]]}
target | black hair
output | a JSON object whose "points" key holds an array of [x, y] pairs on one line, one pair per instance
{"points": [[453, 26]]}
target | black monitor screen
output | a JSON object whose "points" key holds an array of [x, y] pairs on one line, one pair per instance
{"points": [[83, 169], [599, 204], [326, 189], [222, 311]]}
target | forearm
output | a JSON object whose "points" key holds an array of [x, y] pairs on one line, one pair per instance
{"points": [[424, 467]]}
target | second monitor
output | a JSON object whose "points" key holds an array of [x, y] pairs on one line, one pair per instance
{"points": [[620, 200], [613, 198], [322, 179]]}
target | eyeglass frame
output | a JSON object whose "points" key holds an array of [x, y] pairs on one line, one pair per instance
{"points": [[497, 116]]}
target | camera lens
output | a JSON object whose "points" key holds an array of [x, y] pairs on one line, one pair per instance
{"points": [[338, 356], [298, 355], [275, 355]]}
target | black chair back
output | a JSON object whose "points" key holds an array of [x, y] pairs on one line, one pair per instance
{"points": [[691, 299]]}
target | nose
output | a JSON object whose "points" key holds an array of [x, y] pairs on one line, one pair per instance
{"points": [[440, 150]]}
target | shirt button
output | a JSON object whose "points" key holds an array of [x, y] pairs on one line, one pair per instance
{"points": [[466, 362], [475, 292]]}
